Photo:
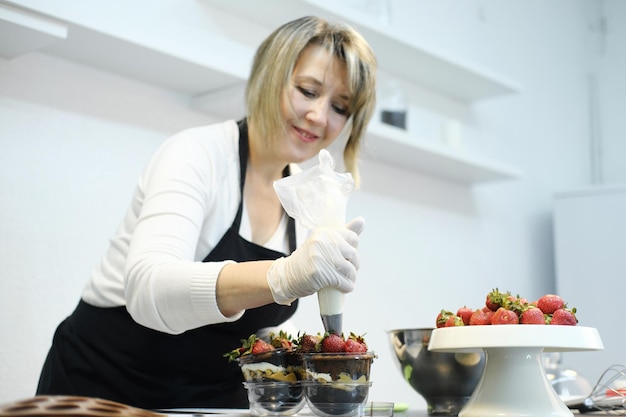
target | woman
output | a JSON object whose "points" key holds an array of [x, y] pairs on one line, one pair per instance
{"points": [[206, 255]]}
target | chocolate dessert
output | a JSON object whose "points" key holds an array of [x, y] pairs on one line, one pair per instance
{"points": [[341, 367], [276, 365], [337, 383]]}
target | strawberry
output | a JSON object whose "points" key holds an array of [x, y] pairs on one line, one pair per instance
{"points": [[453, 321], [505, 308], [495, 299], [481, 317], [308, 343], [352, 346], [442, 317], [550, 303], [332, 342], [515, 303], [261, 346], [355, 344], [251, 345], [504, 316], [532, 315], [282, 340], [517, 299], [615, 392], [564, 317], [234, 354], [465, 313]]}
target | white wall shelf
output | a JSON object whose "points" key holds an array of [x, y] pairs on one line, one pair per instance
{"points": [[97, 37], [142, 53], [213, 70], [169, 69], [389, 145], [420, 65], [22, 32], [394, 146]]}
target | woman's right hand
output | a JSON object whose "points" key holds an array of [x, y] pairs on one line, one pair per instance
{"points": [[328, 258]]}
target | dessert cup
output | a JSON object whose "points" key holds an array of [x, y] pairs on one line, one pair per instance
{"points": [[275, 398], [338, 367], [276, 365], [336, 399], [337, 384]]}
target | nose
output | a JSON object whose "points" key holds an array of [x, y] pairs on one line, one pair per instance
{"points": [[318, 111]]}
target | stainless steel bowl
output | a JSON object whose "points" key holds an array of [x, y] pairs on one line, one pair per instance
{"points": [[445, 380]]}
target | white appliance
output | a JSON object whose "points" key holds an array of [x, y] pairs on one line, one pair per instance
{"points": [[590, 261]]}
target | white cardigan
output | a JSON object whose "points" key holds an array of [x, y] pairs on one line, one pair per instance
{"points": [[184, 202]]}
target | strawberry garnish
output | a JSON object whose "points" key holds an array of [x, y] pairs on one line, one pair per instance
{"points": [[282, 340], [308, 343], [332, 342], [261, 346], [352, 346], [355, 344], [250, 346]]}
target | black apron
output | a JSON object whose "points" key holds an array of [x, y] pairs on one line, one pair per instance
{"points": [[104, 353]]}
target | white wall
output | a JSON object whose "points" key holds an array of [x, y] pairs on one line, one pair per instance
{"points": [[74, 140], [592, 268], [606, 50]]}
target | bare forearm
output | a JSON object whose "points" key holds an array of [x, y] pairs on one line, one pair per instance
{"points": [[243, 286]]}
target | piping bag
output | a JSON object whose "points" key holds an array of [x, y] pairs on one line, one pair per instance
{"points": [[317, 197]]}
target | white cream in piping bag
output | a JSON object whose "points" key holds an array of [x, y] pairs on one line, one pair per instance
{"points": [[317, 197]]}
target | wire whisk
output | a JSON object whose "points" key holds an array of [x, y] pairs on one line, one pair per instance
{"points": [[608, 395]]}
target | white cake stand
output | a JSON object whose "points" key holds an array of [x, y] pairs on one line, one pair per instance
{"points": [[514, 383]]}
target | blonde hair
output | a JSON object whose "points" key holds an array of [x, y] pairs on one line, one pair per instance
{"points": [[273, 66]]}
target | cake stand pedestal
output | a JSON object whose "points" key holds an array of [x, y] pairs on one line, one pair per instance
{"points": [[514, 383]]}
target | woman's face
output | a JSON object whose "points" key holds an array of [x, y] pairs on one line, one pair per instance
{"points": [[315, 104]]}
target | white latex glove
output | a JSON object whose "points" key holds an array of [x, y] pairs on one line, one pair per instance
{"points": [[328, 258]]}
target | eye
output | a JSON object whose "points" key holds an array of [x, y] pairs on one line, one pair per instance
{"points": [[306, 92], [340, 109]]}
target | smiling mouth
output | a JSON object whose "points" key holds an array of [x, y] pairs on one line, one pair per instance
{"points": [[306, 135]]}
